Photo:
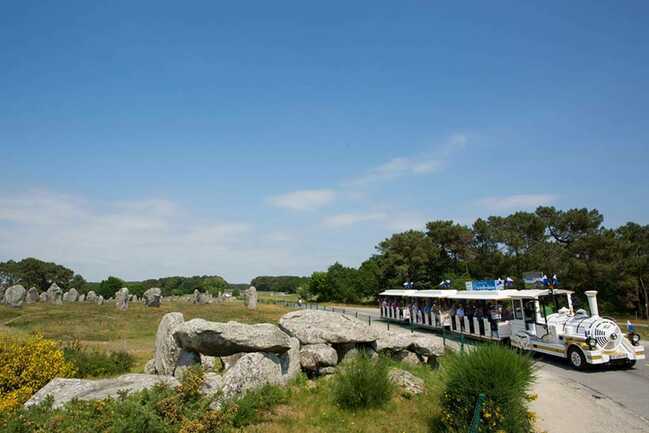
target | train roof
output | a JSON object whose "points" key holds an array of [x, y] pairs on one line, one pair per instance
{"points": [[474, 294]]}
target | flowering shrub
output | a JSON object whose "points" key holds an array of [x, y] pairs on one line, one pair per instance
{"points": [[26, 366], [502, 375]]}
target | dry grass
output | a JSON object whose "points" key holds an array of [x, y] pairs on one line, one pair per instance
{"points": [[105, 327]]}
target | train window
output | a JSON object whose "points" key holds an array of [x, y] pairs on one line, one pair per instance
{"points": [[518, 309]]}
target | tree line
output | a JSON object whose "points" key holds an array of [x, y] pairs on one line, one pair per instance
{"points": [[282, 283], [574, 244], [31, 272]]}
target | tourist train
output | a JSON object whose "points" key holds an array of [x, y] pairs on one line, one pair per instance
{"points": [[538, 320]]}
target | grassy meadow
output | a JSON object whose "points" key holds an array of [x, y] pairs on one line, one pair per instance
{"points": [[105, 327]]}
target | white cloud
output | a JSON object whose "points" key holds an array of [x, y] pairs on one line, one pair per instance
{"points": [[348, 219], [135, 240], [517, 201], [413, 166], [398, 167], [304, 200]]}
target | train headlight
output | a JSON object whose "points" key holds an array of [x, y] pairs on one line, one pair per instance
{"points": [[592, 343], [634, 338]]}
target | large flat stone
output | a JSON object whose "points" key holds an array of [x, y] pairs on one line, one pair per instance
{"points": [[316, 327], [223, 339], [64, 390]]}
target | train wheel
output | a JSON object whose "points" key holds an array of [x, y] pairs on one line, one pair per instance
{"points": [[630, 363], [577, 358]]}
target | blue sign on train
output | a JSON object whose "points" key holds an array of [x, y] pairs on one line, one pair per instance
{"points": [[485, 285]]}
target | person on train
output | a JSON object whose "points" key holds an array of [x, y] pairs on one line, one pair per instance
{"points": [[479, 314], [459, 312]]}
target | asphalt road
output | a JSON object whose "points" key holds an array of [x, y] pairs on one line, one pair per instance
{"points": [[628, 388]]}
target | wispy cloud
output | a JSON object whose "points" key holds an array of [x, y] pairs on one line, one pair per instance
{"points": [[517, 201], [304, 200], [348, 219], [412, 166]]}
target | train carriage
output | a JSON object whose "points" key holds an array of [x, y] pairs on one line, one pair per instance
{"points": [[538, 320]]}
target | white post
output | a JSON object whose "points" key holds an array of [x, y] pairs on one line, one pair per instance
{"points": [[592, 302]]}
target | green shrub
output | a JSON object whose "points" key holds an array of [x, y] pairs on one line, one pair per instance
{"points": [[95, 363], [250, 406], [504, 376], [362, 383]]}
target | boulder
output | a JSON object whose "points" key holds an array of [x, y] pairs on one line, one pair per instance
{"points": [[82, 298], [324, 371], [290, 361], [423, 345], [121, 299], [252, 371], [2, 293], [209, 363], [346, 354], [223, 339], [91, 297], [152, 297], [408, 384], [71, 295], [406, 356], [200, 298], [43, 297], [64, 390], [32, 296], [317, 326], [149, 367], [212, 383], [316, 356], [167, 350], [54, 294], [100, 300], [230, 360], [251, 298], [15, 296]]}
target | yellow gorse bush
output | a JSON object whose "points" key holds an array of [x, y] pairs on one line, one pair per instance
{"points": [[26, 366]]}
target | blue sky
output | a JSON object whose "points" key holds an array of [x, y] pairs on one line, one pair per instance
{"points": [[161, 138]]}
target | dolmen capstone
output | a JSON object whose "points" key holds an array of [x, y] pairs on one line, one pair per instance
{"points": [[152, 297], [54, 294], [121, 299], [71, 295], [15, 296], [32, 296], [312, 341]]}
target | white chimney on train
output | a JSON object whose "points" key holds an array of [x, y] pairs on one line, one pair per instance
{"points": [[592, 302]]}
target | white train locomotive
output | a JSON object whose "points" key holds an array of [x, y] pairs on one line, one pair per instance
{"points": [[538, 320]]}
